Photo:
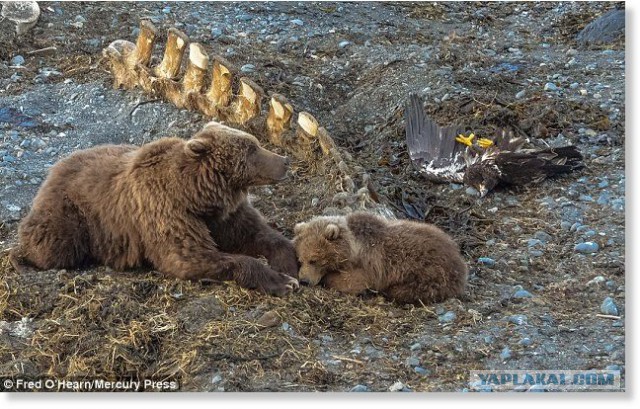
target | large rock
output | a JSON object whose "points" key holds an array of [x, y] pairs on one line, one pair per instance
{"points": [[606, 29]]}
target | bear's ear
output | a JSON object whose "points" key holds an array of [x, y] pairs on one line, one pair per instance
{"points": [[299, 227], [332, 231], [196, 147]]}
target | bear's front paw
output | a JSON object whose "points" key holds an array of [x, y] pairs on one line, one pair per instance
{"points": [[285, 261], [279, 284]]}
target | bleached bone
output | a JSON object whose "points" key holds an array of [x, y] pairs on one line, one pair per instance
{"points": [[145, 42], [119, 55], [248, 103], [130, 62], [194, 76], [220, 92], [278, 118], [24, 14], [176, 44]]}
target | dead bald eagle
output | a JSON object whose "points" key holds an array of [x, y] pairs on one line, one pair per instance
{"points": [[445, 155]]}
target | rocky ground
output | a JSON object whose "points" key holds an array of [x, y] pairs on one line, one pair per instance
{"points": [[547, 261]]}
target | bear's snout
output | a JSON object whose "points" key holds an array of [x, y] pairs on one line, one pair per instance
{"points": [[271, 167]]}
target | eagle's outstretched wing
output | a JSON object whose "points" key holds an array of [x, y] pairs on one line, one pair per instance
{"points": [[433, 150]]}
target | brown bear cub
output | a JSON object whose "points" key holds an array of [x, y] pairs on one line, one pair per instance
{"points": [[177, 205], [407, 262]]}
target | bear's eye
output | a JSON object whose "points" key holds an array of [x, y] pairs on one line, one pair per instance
{"points": [[252, 149], [312, 262]]}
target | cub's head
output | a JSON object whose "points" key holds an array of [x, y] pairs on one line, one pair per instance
{"points": [[236, 157], [323, 246]]}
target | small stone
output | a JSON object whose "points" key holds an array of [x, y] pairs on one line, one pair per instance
{"points": [[534, 243], [412, 361], [397, 387], [521, 94], [506, 353], [416, 347], [604, 183], [612, 367], [472, 192], [216, 32], [518, 319], [217, 378], [360, 388], [422, 371], [80, 19], [574, 85], [286, 326], [343, 44], [609, 307], [18, 60], [297, 22], [522, 294], [611, 285], [596, 280], [550, 86], [565, 225], [487, 261], [244, 17], [12, 208], [269, 319], [583, 92], [489, 339], [248, 68], [525, 342], [587, 247], [447, 317]]}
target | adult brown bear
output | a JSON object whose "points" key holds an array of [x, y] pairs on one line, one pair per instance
{"points": [[179, 206]]}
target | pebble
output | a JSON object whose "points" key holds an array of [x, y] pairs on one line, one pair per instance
{"points": [[343, 44], [521, 94], [596, 280], [525, 342], [587, 247], [216, 32], [574, 85], [550, 86], [216, 379], [422, 371], [471, 191], [297, 22], [611, 285], [248, 68], [534, 242], [518, 319], [398, 387], [506, 353], [612, 367], [80, 19], [487, 261], [447, 317], [543, 236], [522, 294], [360, 388], [565, 225], [609, 307], [18, 60], [244, 17], [416, 347], [412, 361], [604, 183], [489, 339]]}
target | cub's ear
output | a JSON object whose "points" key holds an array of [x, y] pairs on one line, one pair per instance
{"points": [[299, 228], [332, 231], [196, 147]]}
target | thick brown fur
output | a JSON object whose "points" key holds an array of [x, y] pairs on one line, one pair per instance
{"points": [[179, 206], [408, 262]]}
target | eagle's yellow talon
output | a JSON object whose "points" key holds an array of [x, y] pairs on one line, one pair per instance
{"points": [[484, 143], [466, 140]]}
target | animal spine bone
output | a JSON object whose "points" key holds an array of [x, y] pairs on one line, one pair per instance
{"points": [[129, 64]]}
